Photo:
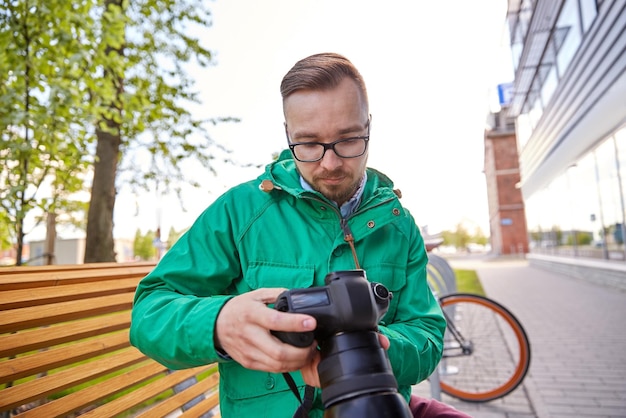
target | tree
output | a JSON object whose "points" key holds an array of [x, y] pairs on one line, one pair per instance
{"points": [[109, 73], [173, 236], [458, 238], [147, 44], [43, 134], [143, 246]]}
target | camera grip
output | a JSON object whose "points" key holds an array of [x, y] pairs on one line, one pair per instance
{"points": [[297, 339]]}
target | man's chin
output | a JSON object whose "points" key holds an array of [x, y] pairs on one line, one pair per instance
{"points": [[335, 194]]}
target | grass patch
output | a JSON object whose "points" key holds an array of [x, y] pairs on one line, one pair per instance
{"points": [[467, 282]]}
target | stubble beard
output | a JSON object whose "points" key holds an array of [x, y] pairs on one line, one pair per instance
{"points": [[340, 193]]}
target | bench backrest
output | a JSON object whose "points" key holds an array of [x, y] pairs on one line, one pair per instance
{"points": [[64, 347]]}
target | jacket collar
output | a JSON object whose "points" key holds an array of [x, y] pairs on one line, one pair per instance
{"points": [[283, 175]]}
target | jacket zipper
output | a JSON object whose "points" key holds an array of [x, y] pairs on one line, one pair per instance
{"points": [[347, 232]]}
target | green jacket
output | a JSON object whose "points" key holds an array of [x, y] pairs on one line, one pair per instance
{"points": [[285, 237]]}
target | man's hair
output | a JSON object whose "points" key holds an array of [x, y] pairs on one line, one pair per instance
{"points": [[321, 72]]}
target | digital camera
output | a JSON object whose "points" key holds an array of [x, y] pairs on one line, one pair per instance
{"points": [[354, 371]]}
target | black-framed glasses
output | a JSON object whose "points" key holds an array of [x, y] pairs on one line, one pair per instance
{"points": [[309, 152]]}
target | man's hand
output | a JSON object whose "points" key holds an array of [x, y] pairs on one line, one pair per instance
{"points": [[243, 326]]}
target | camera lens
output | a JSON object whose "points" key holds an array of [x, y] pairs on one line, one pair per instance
{"points": [[353, 364], [357, 379]]}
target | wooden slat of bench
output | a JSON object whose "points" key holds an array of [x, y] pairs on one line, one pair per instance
{"points": [[13, 299], [36, 316], [17, 368], [78, 400], [144, 393], [174, 402], [53, 383], [70, 277], [36, 339], [69, 267], [204, 406]]}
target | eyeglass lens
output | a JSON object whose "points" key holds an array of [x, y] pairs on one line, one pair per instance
{"points": [[345, 148]]}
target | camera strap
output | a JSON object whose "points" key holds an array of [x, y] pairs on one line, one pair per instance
{"points": [[307, 403]]}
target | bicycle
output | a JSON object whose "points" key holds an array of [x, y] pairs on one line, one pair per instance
{"points": [[486, 350]]}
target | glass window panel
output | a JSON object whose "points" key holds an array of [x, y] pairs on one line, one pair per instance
{"points": [[539, 221], [608, 187], [517, 46], [584, 207], [549, 55], [523, 130], [588, 13], [559, 37], [549, 86], [525, 14], [569, 20], [620, 144], [535, 113]]}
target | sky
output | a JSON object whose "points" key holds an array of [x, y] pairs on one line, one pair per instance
{"points": [[431, 69]]}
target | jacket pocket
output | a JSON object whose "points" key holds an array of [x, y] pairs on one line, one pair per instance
{"points": [[241, 383], [263, 274], [248, 393], [393, 276]]}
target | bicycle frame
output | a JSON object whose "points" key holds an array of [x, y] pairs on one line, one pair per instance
{"points": [[463, 347]]}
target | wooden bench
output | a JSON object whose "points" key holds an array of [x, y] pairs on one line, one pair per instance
{"points": [[64, 348]]}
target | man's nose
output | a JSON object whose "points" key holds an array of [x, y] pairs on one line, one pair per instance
{"points": [[331, 160]]}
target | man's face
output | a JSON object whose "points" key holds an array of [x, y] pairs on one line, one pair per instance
{"points": [[326, 116]]}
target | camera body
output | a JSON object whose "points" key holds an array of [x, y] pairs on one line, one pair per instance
{"points": [[347, 303], [354, 370]]}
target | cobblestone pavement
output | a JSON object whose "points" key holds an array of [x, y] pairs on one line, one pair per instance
{"points": [[578, 343]]}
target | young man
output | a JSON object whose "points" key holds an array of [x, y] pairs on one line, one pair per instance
{"points": [[315, 210]]}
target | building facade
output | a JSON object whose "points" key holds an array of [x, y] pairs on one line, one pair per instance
{"points": [[569, 107], [507, 219]]}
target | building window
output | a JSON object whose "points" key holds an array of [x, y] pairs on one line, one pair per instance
{"points": [[549, 85], [568, 25], [588, 13]]}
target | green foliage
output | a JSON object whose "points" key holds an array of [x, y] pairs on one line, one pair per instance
{"points": [[5, 231], [458, 238], [581, 238], [461, 237], [158, 130], [69, 69], [43, 131], [143, 246], [173, 236]]}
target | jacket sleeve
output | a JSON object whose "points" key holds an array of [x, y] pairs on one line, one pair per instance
{"points": [[176, 304], [416, 331]]}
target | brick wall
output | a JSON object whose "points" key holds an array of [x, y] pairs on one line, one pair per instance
{"points": [[507, 217]]}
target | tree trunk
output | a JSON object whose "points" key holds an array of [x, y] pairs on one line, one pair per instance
{"points": [[99, 245], [51, 236]]}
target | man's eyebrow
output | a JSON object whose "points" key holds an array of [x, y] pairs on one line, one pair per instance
{"points": [[304, 134], [312, 135]]}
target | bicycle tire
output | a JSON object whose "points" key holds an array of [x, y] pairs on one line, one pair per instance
{"points": [[500, 356]]}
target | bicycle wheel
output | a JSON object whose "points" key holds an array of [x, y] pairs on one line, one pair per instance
{"points": [[486, 350]]}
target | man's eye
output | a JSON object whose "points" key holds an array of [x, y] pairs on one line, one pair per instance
{"points": [[349, 141]]}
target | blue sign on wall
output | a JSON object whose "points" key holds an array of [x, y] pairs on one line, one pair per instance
{"points": [[505, 93]]}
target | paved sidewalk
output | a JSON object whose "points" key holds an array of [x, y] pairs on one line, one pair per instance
{"points": [[577, 332]]}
